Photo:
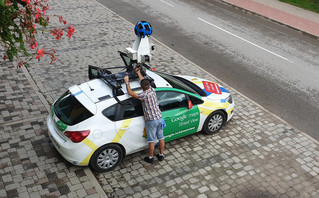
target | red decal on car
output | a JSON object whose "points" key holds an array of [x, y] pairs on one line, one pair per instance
{"points": [[211, 87]]}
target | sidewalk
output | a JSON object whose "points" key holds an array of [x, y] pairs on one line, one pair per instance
{"points": [[255, 155], [295, 17]]}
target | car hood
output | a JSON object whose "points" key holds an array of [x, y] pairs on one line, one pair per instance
{"points": [[213, 90]]}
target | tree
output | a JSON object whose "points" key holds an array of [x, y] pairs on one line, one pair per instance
{"points": [[20, 21]]}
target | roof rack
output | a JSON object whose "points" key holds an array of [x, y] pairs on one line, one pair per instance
{"points": [[115, 80]]}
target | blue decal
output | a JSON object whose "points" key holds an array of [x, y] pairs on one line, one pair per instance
{"points": [[78, 93], [223, 90], [223, 101], [208, 93]]}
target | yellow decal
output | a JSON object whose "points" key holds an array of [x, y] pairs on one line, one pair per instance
{"points": [[123, 128], [229, 111], [205, 111], [144, 133], [208, 107], [90, 144]]}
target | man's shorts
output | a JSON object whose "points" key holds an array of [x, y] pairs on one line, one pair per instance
{"points": [[154, 130]]}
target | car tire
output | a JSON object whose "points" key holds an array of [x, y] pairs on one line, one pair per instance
{"points": [[106, 158], [214, 122]]}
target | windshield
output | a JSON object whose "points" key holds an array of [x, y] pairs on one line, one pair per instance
{"points": [[181, 83], [69, 110]]}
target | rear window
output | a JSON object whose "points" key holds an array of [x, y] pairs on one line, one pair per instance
{"points": [[69, 110]]}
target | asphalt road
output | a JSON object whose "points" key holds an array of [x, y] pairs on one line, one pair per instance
{"points": [[275, 66]]}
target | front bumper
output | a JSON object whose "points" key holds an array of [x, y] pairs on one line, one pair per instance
{"points": [[230, 110]]}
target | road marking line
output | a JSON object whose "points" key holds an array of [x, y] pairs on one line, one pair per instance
{"points": [[244, 39], [167, 3]]}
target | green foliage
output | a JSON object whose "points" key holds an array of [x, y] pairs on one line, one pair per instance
{"points": [[312, 5], [10, 33], [19, 20]]}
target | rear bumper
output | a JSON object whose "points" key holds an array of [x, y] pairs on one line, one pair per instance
{"points": [[74, 153]]}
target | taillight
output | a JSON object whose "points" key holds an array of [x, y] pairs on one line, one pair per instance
{"points": [[77, 136]]}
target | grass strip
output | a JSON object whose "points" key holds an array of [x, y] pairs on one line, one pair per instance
{"points": [[312, 5]]}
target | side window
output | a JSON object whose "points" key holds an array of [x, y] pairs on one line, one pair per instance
{"points": [[128, 109], [131, 108], [171, 100], [110, 112], [195, 100]]}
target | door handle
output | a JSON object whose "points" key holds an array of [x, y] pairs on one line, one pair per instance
{"points": [[125, 128]]}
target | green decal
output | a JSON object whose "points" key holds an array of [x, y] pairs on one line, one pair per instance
{"points": [[61, 126], [52, 111], [180, 122]]}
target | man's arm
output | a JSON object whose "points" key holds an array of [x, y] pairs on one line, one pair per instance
{"points": [[138, 72], [128, 87]]}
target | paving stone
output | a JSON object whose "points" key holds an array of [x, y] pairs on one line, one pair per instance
{"points": [[254, 155]]}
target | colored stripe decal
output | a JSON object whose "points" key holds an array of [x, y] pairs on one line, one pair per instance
{"points": [[208, 107], [90, 144], [229, 111], [123, 128], [78, 93], [223, 90], [211, 87], [205, 111]]}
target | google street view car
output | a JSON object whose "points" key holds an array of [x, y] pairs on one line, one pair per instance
{"points": [[97, 123]]}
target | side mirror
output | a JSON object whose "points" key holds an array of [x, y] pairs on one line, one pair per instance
{"points": [[190, 104]]}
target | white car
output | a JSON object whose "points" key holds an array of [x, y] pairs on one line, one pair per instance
{"points": [[97, 123]]}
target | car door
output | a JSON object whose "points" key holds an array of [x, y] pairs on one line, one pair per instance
{"points": [[181, 117], [130, 124]]}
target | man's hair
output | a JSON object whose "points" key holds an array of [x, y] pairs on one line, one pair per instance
{"points": [[145, 84]]}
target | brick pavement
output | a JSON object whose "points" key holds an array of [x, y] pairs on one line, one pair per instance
{"points": [[255, 155], [29, 165]]}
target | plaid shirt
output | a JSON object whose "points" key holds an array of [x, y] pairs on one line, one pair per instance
{"points": [[150, 104]]}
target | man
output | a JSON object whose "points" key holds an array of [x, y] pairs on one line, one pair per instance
{"points": [[152, 114]]}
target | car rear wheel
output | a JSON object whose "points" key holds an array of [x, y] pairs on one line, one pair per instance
{"points": [[214, 122], [106, 158]]}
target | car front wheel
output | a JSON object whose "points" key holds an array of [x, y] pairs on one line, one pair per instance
{"points": [[214, 122], [106, 158]]}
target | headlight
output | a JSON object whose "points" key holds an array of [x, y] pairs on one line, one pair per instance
{"points": [[229, 99]]}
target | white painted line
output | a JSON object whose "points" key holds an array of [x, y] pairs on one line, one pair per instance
{"points": [[167, 3], [244, 40]]}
